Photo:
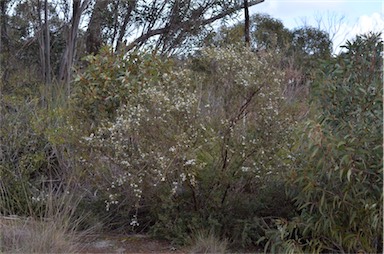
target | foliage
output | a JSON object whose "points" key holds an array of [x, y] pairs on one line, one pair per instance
{"points": [[42, 35], [35, 153], [248, 129], [270, 33], [110, 81], [204, 144], [311, 42], [143, 110], [338, 183], [39, 199], [184, 146], [309, 47], [267, 33], [298, 52], [23, 156]]}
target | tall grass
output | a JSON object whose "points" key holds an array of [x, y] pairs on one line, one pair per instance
{"points": [[51, 229], [207, 242], [37, 205]]}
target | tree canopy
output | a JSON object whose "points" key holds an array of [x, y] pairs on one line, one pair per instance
{"points": [[56, 27]]}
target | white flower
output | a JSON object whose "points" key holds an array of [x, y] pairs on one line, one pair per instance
{"points": [[245, 169], [134, 222], [190, 162]]}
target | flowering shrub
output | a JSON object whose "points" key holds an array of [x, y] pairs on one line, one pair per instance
{"points": [[244, 145], [149, 133], [187, 147]]}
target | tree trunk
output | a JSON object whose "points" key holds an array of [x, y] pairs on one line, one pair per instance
{"points": [[4, 42], [69, 52], [1, 70], [247, 36], [94, 40], [47, 46], [40, 36], [187, 26], [123, 29]]}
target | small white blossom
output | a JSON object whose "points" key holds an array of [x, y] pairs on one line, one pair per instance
{"points": [[190, 162]]}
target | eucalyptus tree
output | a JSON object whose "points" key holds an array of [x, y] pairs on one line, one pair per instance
{"points": [[166, 24], [54, 27]]}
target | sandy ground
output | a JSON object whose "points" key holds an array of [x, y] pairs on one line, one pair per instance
{"points": [[126, 244]]}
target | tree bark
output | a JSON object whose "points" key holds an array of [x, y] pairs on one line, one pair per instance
{"points": [[47, 46], [247, 36], [41, 39], [94, 40], [1, 70], [123, 29], [4, 41], [69, 52]]}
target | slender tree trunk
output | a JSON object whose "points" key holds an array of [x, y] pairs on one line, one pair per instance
{"points": [[247, 36], [69, 52], [115, 21], [94, 40], [4, 41], [1, 82], [47, 47], [123, 28], [188, 25], [40, 35]]}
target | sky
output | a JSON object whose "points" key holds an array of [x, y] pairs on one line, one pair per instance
{"points": [[344, 19]]}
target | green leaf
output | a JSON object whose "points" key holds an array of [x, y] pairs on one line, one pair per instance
{"points": [[341, 143], [345, 159]]}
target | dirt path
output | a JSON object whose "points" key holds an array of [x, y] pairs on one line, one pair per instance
{"points": [[126, 244]]}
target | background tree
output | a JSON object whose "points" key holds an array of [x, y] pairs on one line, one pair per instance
{"points": [[71, 30], [300, 51], [311, 44], [269, 33], [95, 26], [266, 33], [166, 25], [247, 36]]}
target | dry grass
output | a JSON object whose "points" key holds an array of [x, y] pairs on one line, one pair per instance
{"points": [[204, 242], [52, 230], [27, 235]]}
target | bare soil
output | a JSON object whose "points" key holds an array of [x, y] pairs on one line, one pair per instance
{"points": [[126, 244]]}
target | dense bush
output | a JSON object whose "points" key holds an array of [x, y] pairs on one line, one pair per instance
{"points": [[189, 149], [34, 158], [242, 148], [338, 181], [205, 144], [23, 156]]}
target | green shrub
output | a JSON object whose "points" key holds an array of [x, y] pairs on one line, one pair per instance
{"points": [[338, 181], [23, 156], [187, 149], [36, 152], [244, 146], [111, 81]]}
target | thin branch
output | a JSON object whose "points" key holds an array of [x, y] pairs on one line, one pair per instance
{"points": [[190, 25]]}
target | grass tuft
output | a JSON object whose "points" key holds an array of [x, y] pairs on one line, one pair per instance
{"points": [[53, 230], [207, 242]]}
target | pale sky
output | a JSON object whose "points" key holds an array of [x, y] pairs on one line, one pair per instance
{"points": [[360, 16]]}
